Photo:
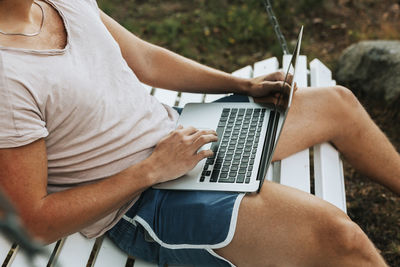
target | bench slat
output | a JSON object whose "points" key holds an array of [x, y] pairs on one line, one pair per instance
{"points": [[68, 255], [329, 181], [166, 96], [245, 72], [148, 88], [110, 255], [301, 72], [190, 98], [5, 247], [40, 260], [320, 74], [212, 97], [270, 173], [328, 169], [265, 67], [295, 170]]}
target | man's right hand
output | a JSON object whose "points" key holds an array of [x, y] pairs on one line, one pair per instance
{"points": [[178, 152]]}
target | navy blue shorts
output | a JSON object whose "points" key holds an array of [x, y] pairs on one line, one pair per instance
{"points": [[180, 227]]}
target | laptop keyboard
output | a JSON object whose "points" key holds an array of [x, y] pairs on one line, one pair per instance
{"points": [[234, 153]]}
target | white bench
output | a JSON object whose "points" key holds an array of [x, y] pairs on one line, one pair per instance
{"points": [[316, 170]]}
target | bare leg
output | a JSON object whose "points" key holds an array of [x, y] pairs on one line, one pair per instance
{"points": [[282, 226], [335, 115]]}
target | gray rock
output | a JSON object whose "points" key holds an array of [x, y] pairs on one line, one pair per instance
{"points": [[372, 68]]}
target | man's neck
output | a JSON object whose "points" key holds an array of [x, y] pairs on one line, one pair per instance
{"points": [[16, 14]]}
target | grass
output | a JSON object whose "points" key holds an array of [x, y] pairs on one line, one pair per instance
{"points": [[231, 34]]}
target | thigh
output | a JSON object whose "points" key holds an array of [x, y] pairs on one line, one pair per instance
{"points": [[278, 227], [311, 120]]}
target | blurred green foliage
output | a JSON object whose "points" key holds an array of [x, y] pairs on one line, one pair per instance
{"points": [[224, 34], [229, 34]]}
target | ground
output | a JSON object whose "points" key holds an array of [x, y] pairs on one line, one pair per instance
{"points": [[231, 34]]}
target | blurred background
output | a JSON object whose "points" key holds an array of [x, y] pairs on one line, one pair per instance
{"points": [[231, 34]]}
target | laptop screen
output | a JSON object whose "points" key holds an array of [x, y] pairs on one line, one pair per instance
{"points": [[285, 97]]}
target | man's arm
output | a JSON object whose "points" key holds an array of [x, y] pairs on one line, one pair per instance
{"points": [[23, 176], [162, 68], [49, 217]]}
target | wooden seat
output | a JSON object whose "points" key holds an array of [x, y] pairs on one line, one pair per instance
{"points": [[326, 177]]}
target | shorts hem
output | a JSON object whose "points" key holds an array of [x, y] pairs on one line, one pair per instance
{"points": [[212, 252], [209, 248]]}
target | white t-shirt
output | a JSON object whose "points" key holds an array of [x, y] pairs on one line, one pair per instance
{"points": [[84, 100]]}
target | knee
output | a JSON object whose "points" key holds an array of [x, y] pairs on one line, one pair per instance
{"points": [[345, 235], [346, 239], [344, 98], [345, 110]]}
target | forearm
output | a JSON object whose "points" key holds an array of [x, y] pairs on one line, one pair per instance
{"points": [[175, 72], [63, 213], [162, 68]]}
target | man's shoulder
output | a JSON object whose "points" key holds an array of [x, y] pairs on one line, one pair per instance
{"points": [[92, 4]]}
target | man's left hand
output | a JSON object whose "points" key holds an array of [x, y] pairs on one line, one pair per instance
{"points": [[267, 88]]}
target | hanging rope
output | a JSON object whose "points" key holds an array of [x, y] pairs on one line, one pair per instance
{"points": [[275, 25]]}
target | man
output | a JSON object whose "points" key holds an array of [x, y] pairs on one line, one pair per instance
{"points": [[81, 141]]}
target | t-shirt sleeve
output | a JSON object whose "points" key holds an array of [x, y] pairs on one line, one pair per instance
{"points": [[21, 121]]}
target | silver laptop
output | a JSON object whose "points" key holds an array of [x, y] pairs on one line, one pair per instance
{"points": [[247, 137]]}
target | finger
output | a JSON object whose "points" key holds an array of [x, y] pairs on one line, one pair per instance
{"points": [[295, 87], [271, 93], [173, 132], [276, 90], [204, 139], [269, 99], [276, 87], [281, 76], [204, 154], [286, 89], [283, 100], [203, 132], [289, 78], [188, 130]]}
